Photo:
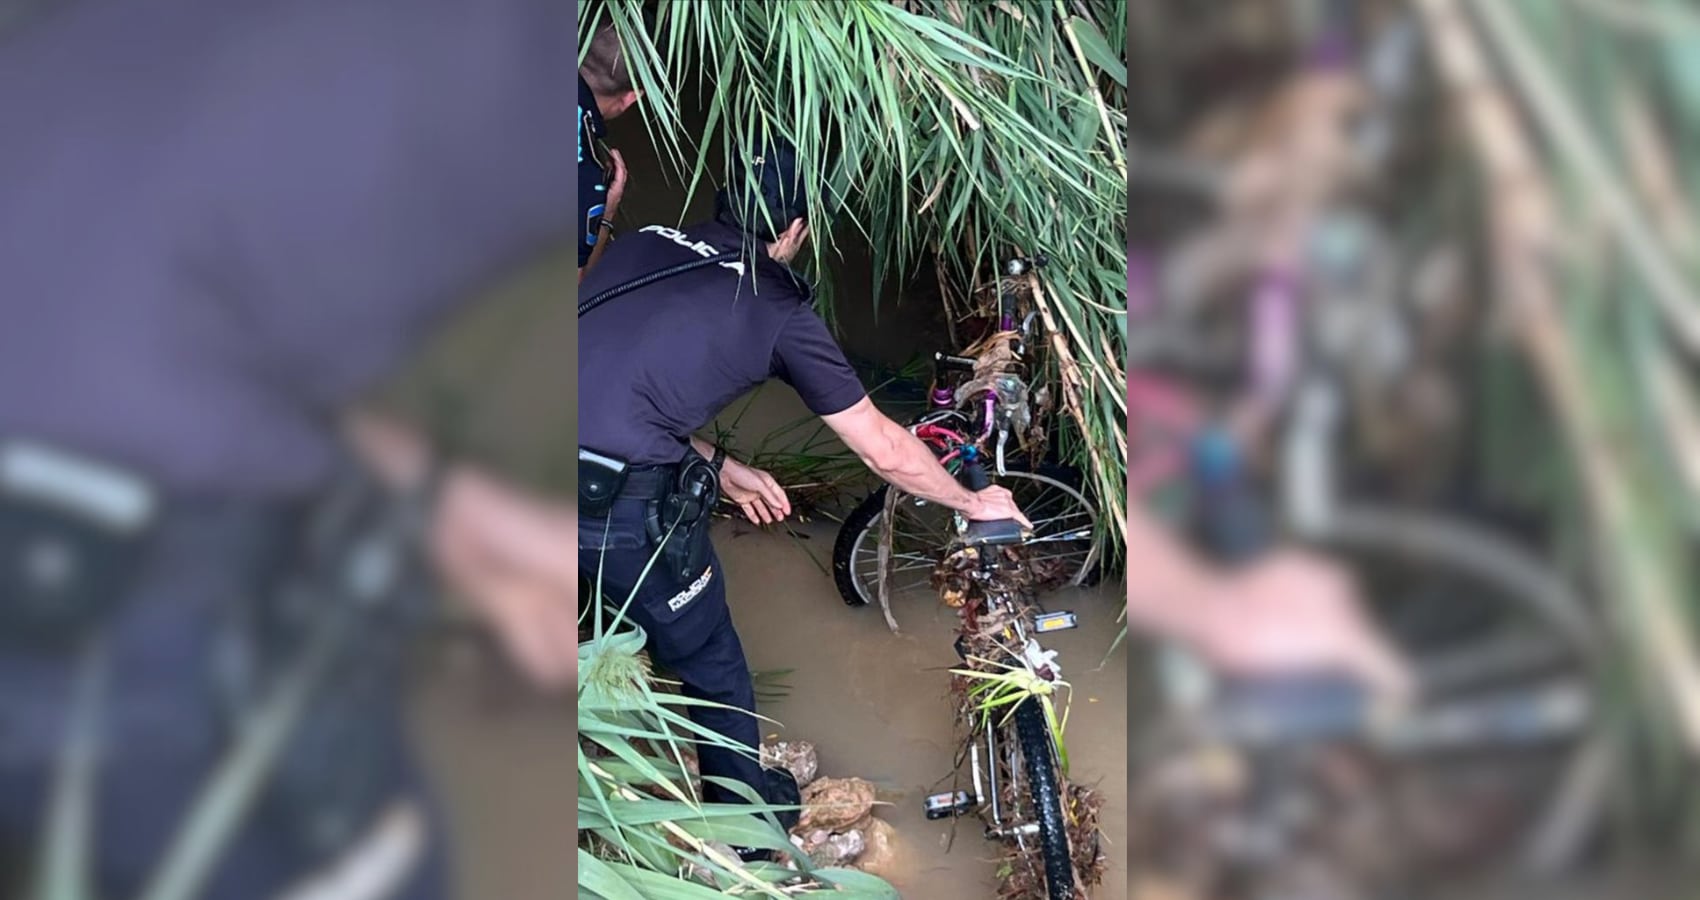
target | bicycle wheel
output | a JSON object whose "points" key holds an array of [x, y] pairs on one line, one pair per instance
{"points": [[1485, 623], [1062, 551], [1044, 799]]}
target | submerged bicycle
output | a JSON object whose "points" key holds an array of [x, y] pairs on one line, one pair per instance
{"points": [[1324, 403], [986, 418]]}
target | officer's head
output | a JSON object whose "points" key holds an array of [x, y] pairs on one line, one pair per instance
{"points": [[605, 72], [767, 200]]}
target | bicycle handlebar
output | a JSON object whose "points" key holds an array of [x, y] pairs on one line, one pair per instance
{"points": [[994, 533], [1234, 528], [1230, 520], [947, 361], [974, 476]]}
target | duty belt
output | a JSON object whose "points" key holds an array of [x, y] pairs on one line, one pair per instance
{"points": [[649, 482]]}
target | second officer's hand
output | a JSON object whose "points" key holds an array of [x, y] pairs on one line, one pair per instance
{"points": [[756, 492], [504, 551]]}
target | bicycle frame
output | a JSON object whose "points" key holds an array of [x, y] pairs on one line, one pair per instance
{"points": [[1294, 397], [992, 745], [951, 431]]}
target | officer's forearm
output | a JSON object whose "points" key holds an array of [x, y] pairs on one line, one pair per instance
{"points": [[914, 469], [1172, 594], [898, 457]]}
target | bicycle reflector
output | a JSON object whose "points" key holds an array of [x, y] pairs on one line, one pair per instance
{"points": [[1056, 621]]}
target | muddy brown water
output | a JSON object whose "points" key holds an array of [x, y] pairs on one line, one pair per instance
{"points": [[876, 704]]}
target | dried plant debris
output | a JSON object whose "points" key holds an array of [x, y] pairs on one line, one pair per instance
{"points": [[1348, 829], [1021, 870], [959, 578]]}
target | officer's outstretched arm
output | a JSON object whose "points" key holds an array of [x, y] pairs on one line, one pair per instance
{"points": [[901, 459]]}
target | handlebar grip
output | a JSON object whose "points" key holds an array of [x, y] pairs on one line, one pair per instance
{"points": [[974, 475], [1234, 526], [995, 532]]}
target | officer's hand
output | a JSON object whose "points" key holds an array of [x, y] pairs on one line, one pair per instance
{"points": [[511, 557], [995, 504], [1296, 614], [756, 492]]}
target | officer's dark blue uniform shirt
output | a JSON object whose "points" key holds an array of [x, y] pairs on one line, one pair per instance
{"points": [[220, 222], [592, 192], [660, 362]]}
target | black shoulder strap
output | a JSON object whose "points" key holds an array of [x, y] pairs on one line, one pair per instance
{"points": [[586, 306]]}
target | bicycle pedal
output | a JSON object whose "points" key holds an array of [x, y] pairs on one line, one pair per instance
{"points": [[1062, 620], [948, 804]]}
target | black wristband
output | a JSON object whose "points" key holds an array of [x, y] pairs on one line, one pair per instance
{"points": [[719, 458]]}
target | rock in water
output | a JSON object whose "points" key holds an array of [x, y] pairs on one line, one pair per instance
{"points": [[880, 855], [796, 756], [827, 848], [834, 804]]}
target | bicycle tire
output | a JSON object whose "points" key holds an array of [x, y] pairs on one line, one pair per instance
{"points": [[1576, 807], [867, 514], [860, 519], [1045, 792]]}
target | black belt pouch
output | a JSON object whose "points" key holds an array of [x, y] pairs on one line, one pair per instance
{"points": [[73, 535], [600, 480]]}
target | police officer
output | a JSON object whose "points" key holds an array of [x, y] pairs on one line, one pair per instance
{"points": [[222, 222], [605, 90], [717, 312]]}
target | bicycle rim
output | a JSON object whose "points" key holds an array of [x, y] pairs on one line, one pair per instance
{"points": [[1528, 629], [1062, 549]]}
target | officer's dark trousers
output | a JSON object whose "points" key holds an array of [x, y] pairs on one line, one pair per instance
{"points": [[690, 633], [165, 727]]}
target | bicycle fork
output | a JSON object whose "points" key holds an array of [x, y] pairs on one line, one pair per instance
{"points": [[983, 754]]}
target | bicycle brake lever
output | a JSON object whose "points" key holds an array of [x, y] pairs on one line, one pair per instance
{"points": [[1003, 438]]}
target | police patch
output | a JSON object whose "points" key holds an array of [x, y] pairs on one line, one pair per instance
{"points": [[688, 594]]}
